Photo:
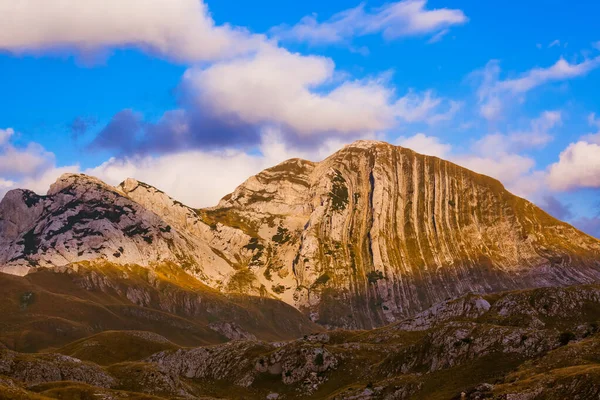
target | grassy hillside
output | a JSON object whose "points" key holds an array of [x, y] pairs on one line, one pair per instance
{"points": [[47, 309]]}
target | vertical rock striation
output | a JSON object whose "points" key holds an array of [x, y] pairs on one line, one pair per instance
{"points": [[387, 232], [370, 235]]}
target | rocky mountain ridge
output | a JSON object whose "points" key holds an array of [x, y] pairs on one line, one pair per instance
{"points": [[371, 235]]}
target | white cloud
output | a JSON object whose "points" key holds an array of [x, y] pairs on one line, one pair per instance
{"points": [[495, 94], [5, 184], [394, 20], [560, 71], [40, 182], [428, 145], [171, 172], [578, 167], [497, 155], [16, 162], [276, 87], [537, 136], [425, 107], [178, 29], [510, 169]]}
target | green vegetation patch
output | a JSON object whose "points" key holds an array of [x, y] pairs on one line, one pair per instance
{"points": [[282, 236], [322, 280], [27, 299], [374, 276], [339, 193], [279, 289], [241, 281]]}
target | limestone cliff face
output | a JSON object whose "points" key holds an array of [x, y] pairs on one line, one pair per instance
{"points": [[379, 232], [372, 234], [82, 218]]}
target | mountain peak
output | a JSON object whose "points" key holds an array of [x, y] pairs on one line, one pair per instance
{"points": [[81, 181], [366, 144]]}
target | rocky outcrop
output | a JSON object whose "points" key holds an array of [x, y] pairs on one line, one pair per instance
{"points": [[81, 218], [35, 369], [371, 235]]}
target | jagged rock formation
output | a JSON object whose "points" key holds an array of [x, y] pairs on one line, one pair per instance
{"points": [[371, 235]]}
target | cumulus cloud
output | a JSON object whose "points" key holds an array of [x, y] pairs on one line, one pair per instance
{"points": [[286, 89], [394, 20], [560, 71], [171, 172], [178, 29], [428, 145], [578, 167], [29, 167], [497, 155], [494, 93], [195, 177], [231, 103], [5, 135], [16, 162], [276, 86]]}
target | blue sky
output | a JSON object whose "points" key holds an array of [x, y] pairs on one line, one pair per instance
{"points": [[195, 97]]}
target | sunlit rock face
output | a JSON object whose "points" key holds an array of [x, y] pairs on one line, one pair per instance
{"points": [[370, 235]]}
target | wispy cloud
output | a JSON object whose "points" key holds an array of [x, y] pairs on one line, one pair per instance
{"points": [[495, 93], [394, 20], [554, 43]]}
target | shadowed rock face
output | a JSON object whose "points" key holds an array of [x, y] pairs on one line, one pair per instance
{"points": [[372, 234]]}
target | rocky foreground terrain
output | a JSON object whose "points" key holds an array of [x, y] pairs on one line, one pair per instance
{"points": [[371, 235], [533, 344]]}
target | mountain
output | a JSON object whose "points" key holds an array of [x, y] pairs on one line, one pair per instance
{"points": [[371, 235], [532, 344]]}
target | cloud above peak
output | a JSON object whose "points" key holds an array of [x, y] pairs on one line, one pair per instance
{"points": [[232, 103], [182, 30], [298, 93], [495, 94], [394, 20], [18, 162]]}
